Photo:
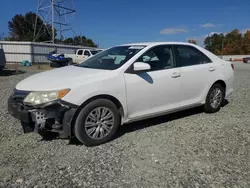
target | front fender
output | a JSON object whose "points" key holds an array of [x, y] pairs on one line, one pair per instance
{"points": [[111, 87]]}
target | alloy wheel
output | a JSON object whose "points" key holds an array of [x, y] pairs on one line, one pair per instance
{"points": [[99, 123], [216, 98]]}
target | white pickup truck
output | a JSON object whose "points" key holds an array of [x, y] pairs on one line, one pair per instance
{"points": [[81, 55]]}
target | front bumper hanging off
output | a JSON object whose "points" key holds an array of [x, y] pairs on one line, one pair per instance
{"points": [[55, 117]]}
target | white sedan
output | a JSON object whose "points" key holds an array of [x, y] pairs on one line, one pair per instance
{"points": [[120, 85]]}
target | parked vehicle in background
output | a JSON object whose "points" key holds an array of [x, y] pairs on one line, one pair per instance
{"points": [[246, 60], [58, 60], [61, 60], [122, 84], [2, 59], [81, 55]]}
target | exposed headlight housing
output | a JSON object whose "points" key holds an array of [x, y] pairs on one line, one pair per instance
{"points": [[41, 97]]}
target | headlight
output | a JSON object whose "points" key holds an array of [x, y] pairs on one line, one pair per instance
{"points": [[40, 97]]}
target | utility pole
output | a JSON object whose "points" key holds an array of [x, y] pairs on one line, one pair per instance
{"points": [[53, 20], [222, 46], [55, 14]]}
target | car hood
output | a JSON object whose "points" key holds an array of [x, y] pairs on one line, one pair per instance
{"points": [[61, 78]]}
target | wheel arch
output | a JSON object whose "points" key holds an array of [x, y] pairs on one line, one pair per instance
{"points": [[102, 96], [221, 82]]}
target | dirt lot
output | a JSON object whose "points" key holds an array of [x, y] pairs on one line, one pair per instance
{"points": [[187, 149]]}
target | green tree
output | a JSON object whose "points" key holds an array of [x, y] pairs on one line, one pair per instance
{"points": [[21, 28], [246, 42], [235, 40], [232, 43], [215, 43], [228, 49], [78, 40], [68, 41]]}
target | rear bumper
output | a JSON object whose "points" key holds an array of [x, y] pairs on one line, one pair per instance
{"points": [[58, 114]]}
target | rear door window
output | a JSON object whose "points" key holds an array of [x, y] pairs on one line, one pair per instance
{"points": [[188, 56]]}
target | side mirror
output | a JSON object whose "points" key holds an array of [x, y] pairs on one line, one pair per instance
{"points": [[140, 66]]}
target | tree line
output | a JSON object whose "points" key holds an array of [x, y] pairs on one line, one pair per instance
{"points": [[232, 43], [22, 28]]}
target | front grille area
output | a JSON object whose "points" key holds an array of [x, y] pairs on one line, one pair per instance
{"points": [[18, 95]]}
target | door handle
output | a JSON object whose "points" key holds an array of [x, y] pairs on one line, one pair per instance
{"points": [[176, 75], [211, 69]]}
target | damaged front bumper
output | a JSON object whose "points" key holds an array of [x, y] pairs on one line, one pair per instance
{"points": [[54, 117]]}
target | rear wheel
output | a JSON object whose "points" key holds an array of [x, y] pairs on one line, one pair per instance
{"points": [[97, 122], [215, 98]]}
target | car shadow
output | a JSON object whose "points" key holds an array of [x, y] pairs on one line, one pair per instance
{"points": [[145, 76], [161, 119], [225, 102], [7, 72], [143, 124]]}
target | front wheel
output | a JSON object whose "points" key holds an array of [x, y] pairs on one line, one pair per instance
{"points": [[215, 98], [97, 122]]}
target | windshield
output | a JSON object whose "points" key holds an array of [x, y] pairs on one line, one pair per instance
{"points": [[112, 58], [93, 52]]}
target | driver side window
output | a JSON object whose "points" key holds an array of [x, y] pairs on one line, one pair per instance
{"points": [[159, 58]]}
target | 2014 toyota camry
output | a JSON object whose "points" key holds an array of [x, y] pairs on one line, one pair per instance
{"points": [[122, 84]]}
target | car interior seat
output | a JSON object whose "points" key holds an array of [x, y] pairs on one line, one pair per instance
{"points": [[164, 57]]}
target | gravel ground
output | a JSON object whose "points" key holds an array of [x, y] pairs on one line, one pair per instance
{"points": [[187, 149]]}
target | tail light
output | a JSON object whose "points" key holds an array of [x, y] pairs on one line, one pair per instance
{"points": [[232, 65]]}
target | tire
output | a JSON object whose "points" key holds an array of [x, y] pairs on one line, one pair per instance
{"points": [[27, 128], [212, 108], [80, 129]]}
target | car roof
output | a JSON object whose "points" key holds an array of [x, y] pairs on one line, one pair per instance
{"points": [[156, 43], [212, 56]]}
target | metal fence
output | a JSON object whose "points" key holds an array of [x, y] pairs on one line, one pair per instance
{"points": [[16, 52]]}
